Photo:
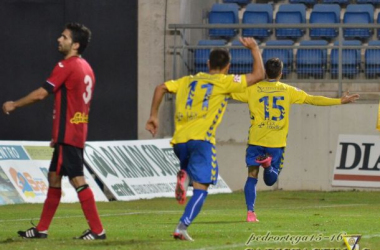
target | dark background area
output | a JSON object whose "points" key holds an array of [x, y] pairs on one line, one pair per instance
{"points": [[29, 52]]}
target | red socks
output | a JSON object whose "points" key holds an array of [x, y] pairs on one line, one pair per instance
{"points": [[87, 200], [50, 206]]}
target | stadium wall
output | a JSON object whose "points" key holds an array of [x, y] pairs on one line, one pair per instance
{"points": [[155, 64], [313, 135], [311, 148], [29, 38]]}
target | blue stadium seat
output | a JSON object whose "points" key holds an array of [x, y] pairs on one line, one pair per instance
{"points": [[358, 13], [238, 1], [241, 59], [312, 61], [290, 14], [351, 59], [201, 55], [336, 1], [368, 1], [258, 14], [324, 13], [304, 1], [285, 55], [371, 58], [223, 14]]}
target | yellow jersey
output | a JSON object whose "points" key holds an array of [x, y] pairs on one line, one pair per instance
{"points": [[201, 101], [269, 105]]}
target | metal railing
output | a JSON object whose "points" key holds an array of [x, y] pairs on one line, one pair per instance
{"points": [[335, 71]]}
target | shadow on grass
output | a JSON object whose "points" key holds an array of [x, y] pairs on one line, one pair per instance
{"points": [[10, 240]]}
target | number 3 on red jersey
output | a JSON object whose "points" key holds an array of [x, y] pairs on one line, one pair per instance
{"points": [[88, 94]]}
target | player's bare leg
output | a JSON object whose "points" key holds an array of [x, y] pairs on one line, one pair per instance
{"points": [[181, 186]]}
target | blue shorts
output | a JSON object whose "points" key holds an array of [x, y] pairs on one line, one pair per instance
{"points": [[254, 151], [198, 159]]}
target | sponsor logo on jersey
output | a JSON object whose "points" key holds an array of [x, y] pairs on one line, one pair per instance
{"points": [[79, 118], [237, 78], [269, 89]]}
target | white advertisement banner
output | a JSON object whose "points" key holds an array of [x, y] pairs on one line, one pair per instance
{"points": [[140, 169], [357, 161], [25, 165]]}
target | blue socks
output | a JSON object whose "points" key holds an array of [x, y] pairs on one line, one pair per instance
{"points": [[250, 193], [194, 206], [270, 176]]}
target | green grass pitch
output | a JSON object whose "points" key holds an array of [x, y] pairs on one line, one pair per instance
{"points": [[148, 224]]}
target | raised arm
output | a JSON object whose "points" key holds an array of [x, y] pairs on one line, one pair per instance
{"points": [[258, 72], [152, 123], [347, 98], [325, 101], [34, 96]]}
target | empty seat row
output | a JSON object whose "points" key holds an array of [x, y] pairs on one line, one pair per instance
{"points": [[371, 59], [238, 1], [293, 14], [343, 2], [242, 2], [201, 55], [310, 60]]}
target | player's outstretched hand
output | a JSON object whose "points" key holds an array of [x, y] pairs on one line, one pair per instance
{"points": [[347, 98], [8, 107], [248, 42], [152, 125]]}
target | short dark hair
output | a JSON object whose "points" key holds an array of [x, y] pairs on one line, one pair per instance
{"points": [[219, 58], [273, 68], [80, 34]]}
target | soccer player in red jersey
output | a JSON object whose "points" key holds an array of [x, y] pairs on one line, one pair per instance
{"points": [[72, 83]]}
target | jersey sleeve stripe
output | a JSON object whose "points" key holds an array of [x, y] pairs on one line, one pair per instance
{"points": [[62, 116], [48, 86]]}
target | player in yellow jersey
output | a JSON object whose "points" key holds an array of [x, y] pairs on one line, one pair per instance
{"points": [[269, 104], [201, 101]]}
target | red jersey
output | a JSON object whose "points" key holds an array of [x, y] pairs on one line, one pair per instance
{"points": [[72, 82]]}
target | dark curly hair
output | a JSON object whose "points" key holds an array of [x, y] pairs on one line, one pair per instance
{"points": [[80, 34]]}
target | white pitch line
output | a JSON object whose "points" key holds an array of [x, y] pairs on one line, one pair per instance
{"points": [[292, 208], [371, 236], [305, 207], [327, 206], [101, 215], [180, 212]]}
